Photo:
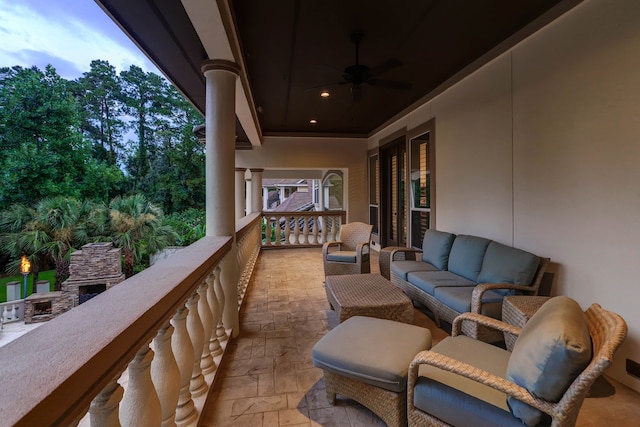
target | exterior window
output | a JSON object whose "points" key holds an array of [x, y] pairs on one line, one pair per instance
{"points": [[421, 181], [374, 192]]}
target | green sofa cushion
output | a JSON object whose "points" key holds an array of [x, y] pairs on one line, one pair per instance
{"points": [[401, 268], [552, 349], [460, 401], [436, 246], [370, 350], [465, 258], [504, 264], [428, 281]]}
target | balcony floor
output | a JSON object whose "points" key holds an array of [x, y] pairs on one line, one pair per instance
{"points": [[268, 378]]}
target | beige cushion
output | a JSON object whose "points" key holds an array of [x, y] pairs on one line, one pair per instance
{"points": [[374, 351], [552, 349]]}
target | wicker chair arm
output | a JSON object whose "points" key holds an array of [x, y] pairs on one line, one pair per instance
{"points": [[490, 322], [403, 250], [327, 245], [362, 248], [481, 376], [479, 290]]}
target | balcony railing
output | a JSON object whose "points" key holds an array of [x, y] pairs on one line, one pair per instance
{"points": [[301, 229], [163, 326]]}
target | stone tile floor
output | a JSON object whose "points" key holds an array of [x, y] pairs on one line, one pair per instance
{"points": [[268, 378]]}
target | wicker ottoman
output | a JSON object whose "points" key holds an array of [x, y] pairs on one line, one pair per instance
{"points": [[367, 295], [367, 360]]}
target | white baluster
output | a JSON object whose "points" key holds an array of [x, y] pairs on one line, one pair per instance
{"points": [[267, 231], [196, 332], [103, 411], [287, 231], [206, 362], [214, 344], [140, 404], [220, 331], [296, 230], [305, 230], [323, 224], [183, 351], [166, 375], [316, 222], [278, 231]]}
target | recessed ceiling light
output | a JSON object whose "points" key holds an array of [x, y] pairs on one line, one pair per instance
{"points": [[325, 94], [313, 121]]}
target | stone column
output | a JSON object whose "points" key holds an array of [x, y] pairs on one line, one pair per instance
{"points": [[220, 134], [256, 190], [240, 193]]}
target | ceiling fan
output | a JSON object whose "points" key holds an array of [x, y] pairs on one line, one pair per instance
{"points": [[358, 74]]}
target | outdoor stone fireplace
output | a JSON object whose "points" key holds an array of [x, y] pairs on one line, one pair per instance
{"points": [[92, 270]]}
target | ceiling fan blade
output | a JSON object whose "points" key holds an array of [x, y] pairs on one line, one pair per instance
{"points": [[387, 65], [356, 92], [392, 84]]}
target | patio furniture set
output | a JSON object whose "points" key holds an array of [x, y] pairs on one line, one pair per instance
{"points": [[375, 356]]}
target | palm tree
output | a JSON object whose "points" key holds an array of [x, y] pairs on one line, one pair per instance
{"points": [[18, 235], [137, 229], [61, 219]]}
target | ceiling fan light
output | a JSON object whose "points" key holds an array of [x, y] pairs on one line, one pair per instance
{"points": [[313, 121], [325, 94]]}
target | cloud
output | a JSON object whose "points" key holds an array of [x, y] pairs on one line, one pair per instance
{"points": [[69, 34]]}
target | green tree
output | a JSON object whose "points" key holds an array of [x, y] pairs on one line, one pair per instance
{"points": [[99, 93], [42, 151], [143, 96], [50, 232], [176, 179], [138, 230]]}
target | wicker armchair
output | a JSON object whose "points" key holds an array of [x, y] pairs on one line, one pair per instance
{"points": [[352, 254], [607, 331]]}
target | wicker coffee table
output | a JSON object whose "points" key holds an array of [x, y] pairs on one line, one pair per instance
{"points": [[368, 295]]}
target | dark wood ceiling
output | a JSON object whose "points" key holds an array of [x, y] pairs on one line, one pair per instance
{"points": [[293, 45], [290, 46]]}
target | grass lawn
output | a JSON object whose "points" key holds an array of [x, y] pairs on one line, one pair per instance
{"points": [[44, 275]]}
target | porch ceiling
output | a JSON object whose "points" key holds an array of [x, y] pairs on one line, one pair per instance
{"points": [[289, 46]]}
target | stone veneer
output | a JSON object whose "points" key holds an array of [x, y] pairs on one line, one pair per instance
{"points": [[59, 303], [95, 264]]}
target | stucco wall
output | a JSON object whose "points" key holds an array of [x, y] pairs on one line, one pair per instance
{"points": [[346, 154], [540, 149]]}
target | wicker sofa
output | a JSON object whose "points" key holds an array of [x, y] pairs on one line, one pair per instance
{"points": [[457, 274]]}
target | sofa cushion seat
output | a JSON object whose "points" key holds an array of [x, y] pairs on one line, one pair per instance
{"points": [[476, 404], [504, 264], [401, 268], [436, 247], [459, 299], [552, 349], [373, 351], [344, 256], [465, 258], [428, 281]]}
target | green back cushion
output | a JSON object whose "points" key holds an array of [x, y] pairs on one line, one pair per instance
{"points": [[465, 258], [436, 246], [552, 349], [504, 264]]}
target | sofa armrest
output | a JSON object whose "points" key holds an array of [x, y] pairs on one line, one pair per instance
{"points": [[388, 255], [327, 245], [490, 322], [479, 290], [481, 376]]}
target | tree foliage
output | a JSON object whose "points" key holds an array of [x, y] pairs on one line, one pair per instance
{"points": [[100, 136]]}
